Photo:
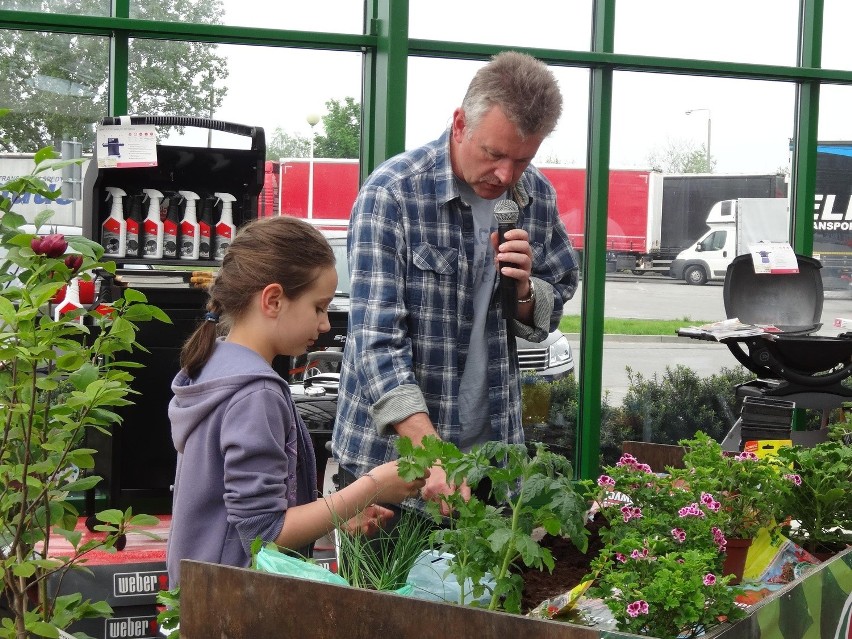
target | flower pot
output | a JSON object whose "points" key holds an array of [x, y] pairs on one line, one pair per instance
{"points": [[736, 552]]}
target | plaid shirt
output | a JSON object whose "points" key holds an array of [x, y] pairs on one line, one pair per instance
{"points": [[411, 247]]}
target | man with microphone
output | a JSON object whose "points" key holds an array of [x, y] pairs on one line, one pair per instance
{"points": [[454, 248]]}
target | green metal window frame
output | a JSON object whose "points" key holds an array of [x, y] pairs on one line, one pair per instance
{"points": [[386, 48]]}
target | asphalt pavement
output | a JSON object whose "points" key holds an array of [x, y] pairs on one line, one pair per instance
{"points": [[657, 297]]}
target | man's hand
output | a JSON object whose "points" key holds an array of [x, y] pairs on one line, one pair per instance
{"points": [[437, 487]]}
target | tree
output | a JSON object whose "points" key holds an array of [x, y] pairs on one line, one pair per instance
{"points": [[342, 126], [56, 84], [678, 156], [286, 145]]}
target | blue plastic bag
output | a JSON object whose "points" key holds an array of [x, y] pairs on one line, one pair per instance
{"points": [[431, 579]]}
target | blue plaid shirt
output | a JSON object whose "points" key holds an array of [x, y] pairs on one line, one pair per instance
{"points": [[411, 247]]}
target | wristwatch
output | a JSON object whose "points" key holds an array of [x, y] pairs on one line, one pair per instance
{"points": [[529, 298]]}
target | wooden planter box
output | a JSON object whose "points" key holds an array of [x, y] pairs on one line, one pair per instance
{"points": [[220, 601]]}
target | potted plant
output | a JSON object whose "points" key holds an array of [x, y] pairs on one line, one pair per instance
{"points": [[817, 496], [59, 377], [660, 569]]}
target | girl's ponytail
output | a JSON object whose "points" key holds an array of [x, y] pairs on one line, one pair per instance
{"points": [[198, 348]]}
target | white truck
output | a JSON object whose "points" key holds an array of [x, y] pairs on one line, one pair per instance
{"points": [[734, 226]]}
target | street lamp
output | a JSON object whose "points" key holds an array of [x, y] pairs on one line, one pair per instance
{"points": [[708, 133], [312, 119]]}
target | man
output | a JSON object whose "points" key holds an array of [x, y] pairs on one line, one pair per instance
{"points": [[428, 350]]}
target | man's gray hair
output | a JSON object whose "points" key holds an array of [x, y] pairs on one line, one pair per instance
{"points": [[523, 87]]}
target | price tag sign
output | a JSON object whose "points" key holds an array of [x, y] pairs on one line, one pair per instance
{"points": [[773, 258], [126, 146]]}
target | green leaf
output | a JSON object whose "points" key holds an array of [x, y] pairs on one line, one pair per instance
{"points": [[24, 569], [111, 516], [134, 295], [46, 153], [43, 629]]}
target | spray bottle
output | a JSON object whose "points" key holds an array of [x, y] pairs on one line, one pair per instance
{"points": [[71, 302], [171, 227], [152, 227], [190, 238], [225, 228], [134, 225], [114, 228], [205, 228]]}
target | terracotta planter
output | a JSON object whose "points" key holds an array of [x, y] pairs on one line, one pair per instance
{"points": [[735, 559]]}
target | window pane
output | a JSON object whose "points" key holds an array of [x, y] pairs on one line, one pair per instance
{"points": [[75, 7], [758, 31], [662, 192], [538, 23], [268, 87], [55, 85], [836, 47], [335, 16], [833, 205]]}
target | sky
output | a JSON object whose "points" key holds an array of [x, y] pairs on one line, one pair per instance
{"points": [[751, 122]]}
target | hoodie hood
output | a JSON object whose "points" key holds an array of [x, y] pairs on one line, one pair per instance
{"points": [[230, 369]]}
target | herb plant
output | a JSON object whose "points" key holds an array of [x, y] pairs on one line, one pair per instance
{"points": [[531, 492], [382, 561], [58, 379]]}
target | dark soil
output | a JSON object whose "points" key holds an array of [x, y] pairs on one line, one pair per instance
{"points": [[570, 566]]}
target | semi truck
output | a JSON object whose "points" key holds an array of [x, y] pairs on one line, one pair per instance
{"points": [[652, 216], [735, 226]]}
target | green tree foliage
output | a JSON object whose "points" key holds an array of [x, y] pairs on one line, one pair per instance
{"points": [[286, 145], [342, 126], [678, 156], [56, 84]]}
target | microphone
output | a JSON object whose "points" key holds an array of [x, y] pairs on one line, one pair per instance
{"points": [[506, 212]]}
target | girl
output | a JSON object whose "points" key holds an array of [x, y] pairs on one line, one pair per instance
{"points": [[246, 466]]}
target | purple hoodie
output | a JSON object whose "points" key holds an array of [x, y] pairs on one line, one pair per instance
{"points": [[244, 457]]}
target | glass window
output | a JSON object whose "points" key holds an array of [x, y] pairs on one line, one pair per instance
{"points": [[73, 7], [567, 24], [334, 16], [758, 31], [273, 88], [662, 128], [55, 85], [836, 47]]}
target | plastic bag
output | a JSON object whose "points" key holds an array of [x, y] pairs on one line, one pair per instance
{"points": [[431, 580], [274, 561]]}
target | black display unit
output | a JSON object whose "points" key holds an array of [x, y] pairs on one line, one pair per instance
{"points": [[137, 462]]}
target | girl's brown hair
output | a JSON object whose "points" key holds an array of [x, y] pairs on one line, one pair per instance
{"points": [[276, 250]]}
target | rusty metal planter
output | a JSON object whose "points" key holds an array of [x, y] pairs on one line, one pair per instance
{"points": [[221, 601]]}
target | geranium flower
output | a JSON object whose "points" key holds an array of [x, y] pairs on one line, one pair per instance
{"points": [[606, 480], [52, 245], [679, 535], [639, 607], [796, 479], [709, 579]]}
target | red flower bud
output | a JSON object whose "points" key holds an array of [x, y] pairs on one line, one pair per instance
{"points": [[74, 262], [53, 245]]}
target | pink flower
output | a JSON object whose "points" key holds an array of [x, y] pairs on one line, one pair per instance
{"points": [[793, 478], [606, 480], [746, 456], [620, 558], [692, 510], [637, 608], [679, 535], [52, 245], [74, 262], [709, 579]]}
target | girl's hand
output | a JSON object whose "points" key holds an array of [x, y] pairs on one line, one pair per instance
{"points": [[390, 487], [368, 521]]}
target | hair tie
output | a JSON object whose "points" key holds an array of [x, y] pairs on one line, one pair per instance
{"points": [[211, 317]]}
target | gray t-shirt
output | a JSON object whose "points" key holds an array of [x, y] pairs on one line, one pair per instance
{"points": [[473, 388]]}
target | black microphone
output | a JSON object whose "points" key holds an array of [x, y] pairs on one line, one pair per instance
{"points": [[506, 212]]}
